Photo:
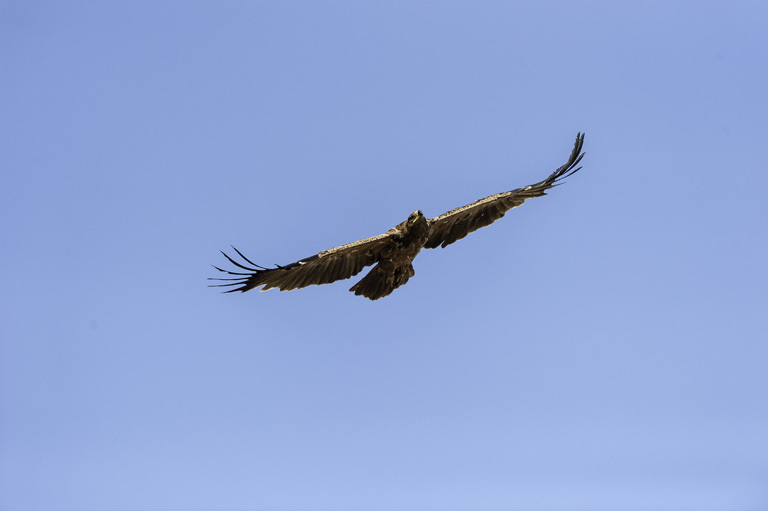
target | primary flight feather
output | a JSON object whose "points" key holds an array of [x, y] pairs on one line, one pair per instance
{"points": [[393, 251]]}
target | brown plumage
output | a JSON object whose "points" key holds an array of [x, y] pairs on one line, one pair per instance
{"points": [[393, 251]]}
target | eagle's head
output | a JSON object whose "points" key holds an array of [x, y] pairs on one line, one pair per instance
{"points": [[416, 225], [415, 216]]}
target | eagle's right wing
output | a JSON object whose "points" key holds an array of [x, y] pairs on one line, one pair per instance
{"points": [[328, 266], [457, 223]]}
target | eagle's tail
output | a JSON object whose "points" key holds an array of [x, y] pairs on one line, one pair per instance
{"points": [[379, 282]]}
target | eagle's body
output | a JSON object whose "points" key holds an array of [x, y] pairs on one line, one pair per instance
{"points": [[394, 267], [394, 251]]}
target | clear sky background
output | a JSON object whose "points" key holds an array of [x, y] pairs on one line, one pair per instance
{"points": [[603, 347]]}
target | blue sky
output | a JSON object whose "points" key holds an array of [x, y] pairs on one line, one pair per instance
{"points": [[603, 347]]}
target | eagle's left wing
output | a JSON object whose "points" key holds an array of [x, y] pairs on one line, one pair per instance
{"points": [[327, 266], [457, 223]]}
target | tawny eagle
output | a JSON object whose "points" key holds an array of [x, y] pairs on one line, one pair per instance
{"points": [[393, 251]]}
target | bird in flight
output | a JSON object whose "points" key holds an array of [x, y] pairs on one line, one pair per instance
{"points": [[392, 252]]}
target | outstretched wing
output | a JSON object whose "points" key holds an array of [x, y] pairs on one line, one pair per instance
{"points": [[328, 266], [457, 223]]}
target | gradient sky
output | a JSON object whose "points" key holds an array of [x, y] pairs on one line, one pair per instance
{"points": [[603, 347]]}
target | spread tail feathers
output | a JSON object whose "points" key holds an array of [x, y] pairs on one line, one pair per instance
{"points": [[379, 282]]}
